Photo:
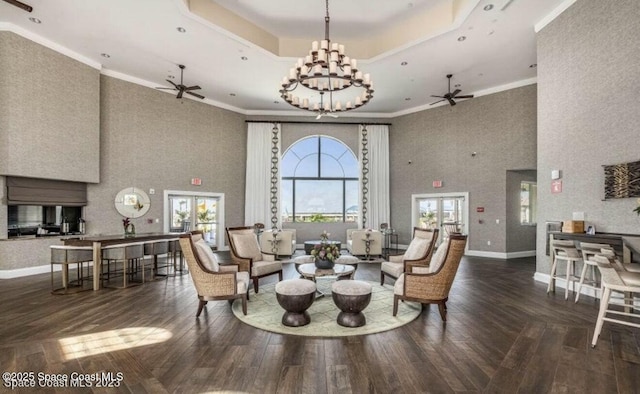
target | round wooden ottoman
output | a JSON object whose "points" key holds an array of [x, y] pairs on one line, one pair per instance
{"points": [[351, 297], [295, 296]]}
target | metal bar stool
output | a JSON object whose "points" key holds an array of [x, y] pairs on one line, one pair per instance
{"points": [[132, 257], [65, 255], [156, 249]]}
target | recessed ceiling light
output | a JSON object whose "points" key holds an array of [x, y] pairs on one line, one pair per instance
{"points": [[244, 58], [232, 94], [105, 55], [35, 20], [276, 102], [407, 99], [462, 38], [404, 63], [456, 85], [534, 65], [488, 7], [170, 76], [181, 29]]}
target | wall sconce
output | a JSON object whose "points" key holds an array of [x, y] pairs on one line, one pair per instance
{"points": [[555, 174]]}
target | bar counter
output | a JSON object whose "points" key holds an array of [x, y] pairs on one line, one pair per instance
{"points": [[100, 241]]}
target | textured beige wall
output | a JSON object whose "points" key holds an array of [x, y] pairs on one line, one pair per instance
{"points": [[500, 127], [49, 106], [150, 139], [588, 67]]}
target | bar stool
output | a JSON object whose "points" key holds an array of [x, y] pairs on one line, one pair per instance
{"points": [[65, 255], [175, 251], [132, 257], [589, 250], [621, 281], [564, 251], [155, 249]]}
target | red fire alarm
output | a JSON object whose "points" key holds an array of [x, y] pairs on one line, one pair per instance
{"points": [[437, 184], [479, 209], [196, 181]]}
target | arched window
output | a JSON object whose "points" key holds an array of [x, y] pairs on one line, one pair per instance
{"points": [[319, 181]]}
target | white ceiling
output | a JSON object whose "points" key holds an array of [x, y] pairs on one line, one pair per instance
{"points": [[145, 47]]}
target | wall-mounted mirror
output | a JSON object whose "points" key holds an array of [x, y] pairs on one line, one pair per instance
{"points": [[132, 202]]}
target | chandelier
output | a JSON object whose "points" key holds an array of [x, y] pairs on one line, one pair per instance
{"points": [[326, 71]]}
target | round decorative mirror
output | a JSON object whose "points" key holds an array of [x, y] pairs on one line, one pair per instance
{"points": [[132, 202]]}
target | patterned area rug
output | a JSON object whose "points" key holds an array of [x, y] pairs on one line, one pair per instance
{"points": [[264, 312]]}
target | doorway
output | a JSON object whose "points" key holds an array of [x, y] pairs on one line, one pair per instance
{"points": [[448, 212], [188, 211]]}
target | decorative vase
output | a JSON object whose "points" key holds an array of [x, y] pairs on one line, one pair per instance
{"points": [[324, 264], [129, 230]]}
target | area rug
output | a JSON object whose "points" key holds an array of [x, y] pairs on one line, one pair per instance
{"points": [[264, 312]]}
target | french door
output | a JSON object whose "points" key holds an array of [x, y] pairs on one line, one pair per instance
{"points": [[449, 212], [188, 211]]}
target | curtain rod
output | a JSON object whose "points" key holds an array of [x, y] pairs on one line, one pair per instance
{"points": [[337, 123]]}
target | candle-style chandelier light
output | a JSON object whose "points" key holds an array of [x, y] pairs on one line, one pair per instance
{"points": [[326, 72]]}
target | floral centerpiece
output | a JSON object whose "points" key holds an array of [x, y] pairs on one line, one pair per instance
{"points": [[325, 254]]}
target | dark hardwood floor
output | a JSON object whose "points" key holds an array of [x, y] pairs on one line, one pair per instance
{"points": [[503, 334]]}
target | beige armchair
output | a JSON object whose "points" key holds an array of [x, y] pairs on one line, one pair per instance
{"points": [[285, 246], [245, 251], [418, 254], [432, 287], [357, 246], [212, 281]]}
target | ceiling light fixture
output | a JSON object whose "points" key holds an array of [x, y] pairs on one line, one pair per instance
{"points": [[462, 38], [326, 70], [404, 63], [181, 29], [105, 55], [488, 7], [35, 20], [534, 65]]}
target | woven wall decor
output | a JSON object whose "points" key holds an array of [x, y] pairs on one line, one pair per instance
{"points": [[622, 180]]}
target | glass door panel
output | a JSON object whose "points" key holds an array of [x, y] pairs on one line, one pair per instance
{"points": [[446, 213], [201, 211], [206, 218]]}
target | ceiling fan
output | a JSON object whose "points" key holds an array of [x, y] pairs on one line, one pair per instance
{"points": [[181, 88], [451, 96], [324, 112]]}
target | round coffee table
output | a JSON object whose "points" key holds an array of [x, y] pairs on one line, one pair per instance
{"points": [[309, 271]]}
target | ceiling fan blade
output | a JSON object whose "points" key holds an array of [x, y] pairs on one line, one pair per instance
{"points": [[171, 82], [455, 92], [438, 96], [194, 87], [160, 87], [195, 94], [179, 96], [465, 96], [451, 101], [436, 102]]}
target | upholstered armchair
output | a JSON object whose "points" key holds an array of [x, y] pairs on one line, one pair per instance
{"points": [[432, 287], [245, 251], [212, 280], [356, 242], [418, 254], [285, 246]]}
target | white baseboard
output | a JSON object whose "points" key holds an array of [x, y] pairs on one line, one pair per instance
{"points": [[40, 269], [500, 255], [562, 283]]}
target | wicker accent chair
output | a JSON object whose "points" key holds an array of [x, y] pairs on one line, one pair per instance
{"points": [[418, 253], [245, 251], [432, 287], [212, 281]]}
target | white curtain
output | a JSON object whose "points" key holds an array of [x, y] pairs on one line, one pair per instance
{"points": [[378, 201], [257, 208]]}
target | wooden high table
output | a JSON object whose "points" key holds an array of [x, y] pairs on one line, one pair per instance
{"points": [[100, 241]]}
